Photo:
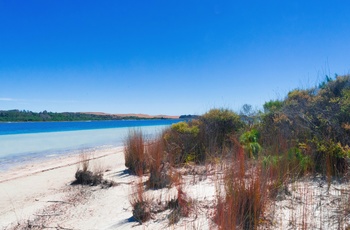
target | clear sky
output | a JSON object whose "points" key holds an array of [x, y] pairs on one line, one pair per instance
{"points": [[166, 57]]}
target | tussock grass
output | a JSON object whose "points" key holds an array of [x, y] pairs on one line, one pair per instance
{"points": [[134, 152], [181, 206], [245, 195], [141, 205], [87, 176], [160, 175]]}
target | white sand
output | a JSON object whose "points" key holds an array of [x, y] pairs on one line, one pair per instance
{"points": [[25, 190], [41, 195]]}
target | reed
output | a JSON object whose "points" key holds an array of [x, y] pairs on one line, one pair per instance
{"points": [[134, 152]]}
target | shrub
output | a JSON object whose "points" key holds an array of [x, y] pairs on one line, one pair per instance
{"points": [[217, 126], [272, 106], [88, 178], [249, 140], [299, 161], [332, 155], [134, 152], [316, 117], [182, 143]]}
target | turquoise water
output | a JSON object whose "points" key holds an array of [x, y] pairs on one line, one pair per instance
{"points": [[40, 127], [25, 142]]}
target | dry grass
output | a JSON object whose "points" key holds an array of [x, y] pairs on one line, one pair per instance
{"points": [[244, 197], [159, 169], [141, 205], [85, 176], [84, 161], [181, 206], [134, 152]]}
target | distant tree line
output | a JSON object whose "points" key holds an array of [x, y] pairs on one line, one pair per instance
{"points": [[26, 115], [189, 116]]}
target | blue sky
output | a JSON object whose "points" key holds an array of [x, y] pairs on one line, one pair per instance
{"points": [[166, 57]]}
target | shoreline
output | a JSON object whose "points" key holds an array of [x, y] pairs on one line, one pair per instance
{"points": [[43, 164], [29, 188]]}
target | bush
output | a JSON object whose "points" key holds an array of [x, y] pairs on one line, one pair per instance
{"points": [[134, 152], [88, 178], [317, 118], [332, 155], [249, 140], [195, 140], [217, 126], [182, 143], [84, 176]]}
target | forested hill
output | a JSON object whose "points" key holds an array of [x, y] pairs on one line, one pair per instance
{"points": [[25, 115]]}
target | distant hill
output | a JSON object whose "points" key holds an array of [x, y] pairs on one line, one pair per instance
{"points": [[26, 115], [135, 115]]}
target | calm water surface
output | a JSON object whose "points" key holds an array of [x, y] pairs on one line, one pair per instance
{"points": [[27, 141]]}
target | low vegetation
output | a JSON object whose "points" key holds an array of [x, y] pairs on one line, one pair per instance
{"points": [[180, 206], [160, 173], [134, 152], [141, 205], [261, 152], [85, 176]]}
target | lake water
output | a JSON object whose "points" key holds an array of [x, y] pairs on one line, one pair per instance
{"points": [[27, 141]]}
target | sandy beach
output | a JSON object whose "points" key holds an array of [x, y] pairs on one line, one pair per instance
{"points": [[29, 189], [40, 195]]}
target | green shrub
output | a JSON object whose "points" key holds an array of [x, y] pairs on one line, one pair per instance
{"points": [[217, 128], [271, 161], [186, 128], [332, 155], [182, 143], [299, 162], [272, 106], [249, 140]]}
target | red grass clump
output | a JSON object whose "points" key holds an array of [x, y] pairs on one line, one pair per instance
{"points": [[141, 206], [159, 169], [134, 152], [181, 206], [245, 197]]}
